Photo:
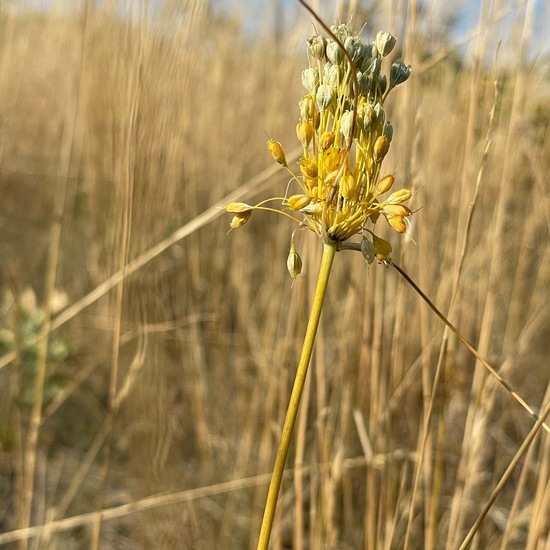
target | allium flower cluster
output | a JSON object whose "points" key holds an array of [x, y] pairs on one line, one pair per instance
{"points": [[345, 137]]}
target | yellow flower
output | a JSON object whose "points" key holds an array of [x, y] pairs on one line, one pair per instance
{"points": [[345, 138]]}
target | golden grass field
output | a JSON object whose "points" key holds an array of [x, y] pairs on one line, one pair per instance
{"points": [[159, 394]]}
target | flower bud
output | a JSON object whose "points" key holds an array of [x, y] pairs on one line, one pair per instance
{"points": [[382, 84], [237, 207], [347, 187], [355, 48], [294, 262], [316, 46], [399, 73], [385, 184], [313, 208], [346, 122], [368, 116], [297, 202], [397, 210], [326, 140], [364, 82], [304, 131], [384, 43], [397, 197], [380, 113], [307, 107], [324, 97], [332, 75], [308, 167], [276, 151], [381, 147], [335, 53], [310, 80], [240, 219], [342, 31], [397, 223]]}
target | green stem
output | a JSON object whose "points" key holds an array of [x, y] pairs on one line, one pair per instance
{"points": [[329, 249]]}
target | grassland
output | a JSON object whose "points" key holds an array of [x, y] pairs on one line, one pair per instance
{"points": [[175, 344]]}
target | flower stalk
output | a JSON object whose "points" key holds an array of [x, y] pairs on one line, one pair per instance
{"points": [[338, 189], [329, 250]]}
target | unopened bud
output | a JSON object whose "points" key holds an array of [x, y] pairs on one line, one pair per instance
{"points": [[316, 46], [385, 184], [399, 73], [382, 84], [347, 187], [237, 207], [307, 107], [294, 262], [304, 131], [335, 54], [397, 223], [326, 141], [308, 167], [385, 42], [355, 48], [397, 197], [397, 210], [381, 148], [324, 97], [310, 80], [346, 122], [297, 202], [240, 219], [276, 151], [333, 75]]}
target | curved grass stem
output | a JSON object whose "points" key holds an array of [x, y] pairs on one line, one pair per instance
{"points": [[329, 250]]}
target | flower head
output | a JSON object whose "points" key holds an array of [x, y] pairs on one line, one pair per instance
{"points": [[339, 185]]}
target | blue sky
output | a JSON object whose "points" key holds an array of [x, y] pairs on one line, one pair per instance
{"points": [[254, 12]]}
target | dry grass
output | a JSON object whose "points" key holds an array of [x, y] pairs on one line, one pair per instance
{"points": [[179, 370]]}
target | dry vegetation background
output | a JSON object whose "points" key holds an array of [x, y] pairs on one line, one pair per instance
{"points": [[121, 126]]}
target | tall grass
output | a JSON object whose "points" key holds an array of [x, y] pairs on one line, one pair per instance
{"points": [[166, 383]]}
